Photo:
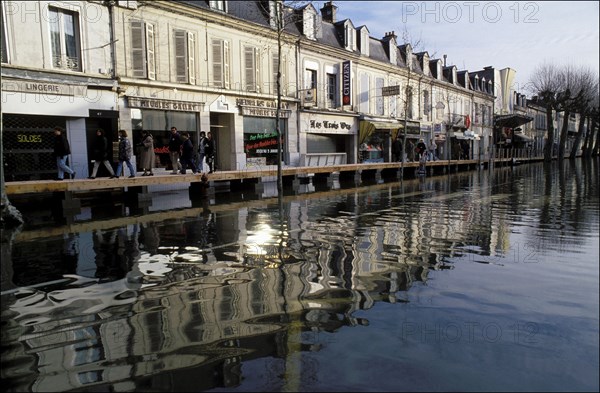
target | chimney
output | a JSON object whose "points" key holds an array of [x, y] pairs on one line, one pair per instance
{"points": [[445, 60], [328, 12]]}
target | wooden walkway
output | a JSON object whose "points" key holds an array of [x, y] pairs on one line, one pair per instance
{"points": [[81, 185]]}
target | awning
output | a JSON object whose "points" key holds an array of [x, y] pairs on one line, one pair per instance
{"points": [[386, 126], [522, 137], [467, 135], [512, 120]]}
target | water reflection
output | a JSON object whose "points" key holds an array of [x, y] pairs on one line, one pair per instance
{"points": [[220, 296]]}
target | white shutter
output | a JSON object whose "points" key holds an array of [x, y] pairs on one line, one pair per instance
{"points": [[226, 64], [249, 69], [275, 64], [138, 53], [283, 75], [151, 63], [181, 74], [217, 61], [191, 58], [257, 70]]}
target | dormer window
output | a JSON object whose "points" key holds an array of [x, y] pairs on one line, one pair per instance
{"points": [[490, 88], [454, 76], [349, 37], [363, 42], [476, 87], [483, 85], [219, 5], [311, 22]]}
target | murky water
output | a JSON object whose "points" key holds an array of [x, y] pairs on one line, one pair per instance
{"points": [[478, 281]]}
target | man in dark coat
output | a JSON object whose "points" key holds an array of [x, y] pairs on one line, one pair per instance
{"points": [[174, 149], [100, 154], [187, 154], [60, 152]]}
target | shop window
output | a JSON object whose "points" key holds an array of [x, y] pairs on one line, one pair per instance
{"points": [[185, 56], [251, 69], [220, 63], [260, 140], [64, 39], [372, 149], [143, 61]]}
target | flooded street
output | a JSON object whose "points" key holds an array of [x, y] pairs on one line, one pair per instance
{"points": [[474, 281]]}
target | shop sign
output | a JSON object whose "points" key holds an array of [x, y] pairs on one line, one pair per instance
{"points": [[390, 90], [44, 88], [166, 105], [425, 128], [347, 82], [263, 112]]}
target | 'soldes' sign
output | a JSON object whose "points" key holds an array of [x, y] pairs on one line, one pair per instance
{"points": [[347, 82]]}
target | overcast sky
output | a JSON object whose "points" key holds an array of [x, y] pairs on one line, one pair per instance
{"points": [[474, 34]]}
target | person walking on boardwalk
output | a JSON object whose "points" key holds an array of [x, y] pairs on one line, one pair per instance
{"points": [[397, 155], [147, 156], [421, 149], [209, 150], [201, 151], [100, 154], [174, 149], [187, 154], [432, 149], [125, 153], [60, 152], [410, 150]]}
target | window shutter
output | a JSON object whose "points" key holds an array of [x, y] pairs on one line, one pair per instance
{"points": [[226, 64], [256, 70], [217, 58], [138, 53], [283, 76], [276, 65], [191, 58], [150, 51], [249, 69], [181, 74]]}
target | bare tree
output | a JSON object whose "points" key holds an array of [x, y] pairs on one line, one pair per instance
{"points": [[548, 84], [592, 122], [587, 82], [281, 16]]}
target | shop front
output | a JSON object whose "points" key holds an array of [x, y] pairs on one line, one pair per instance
{"points": [[330, 139], [260, 137], [31, 109], [157, 116], [375, 140]]}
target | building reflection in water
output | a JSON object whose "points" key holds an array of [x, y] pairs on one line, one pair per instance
{"points": [[181, 304]]}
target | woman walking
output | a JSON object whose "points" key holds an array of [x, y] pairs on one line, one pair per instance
{"points": [[147, 155], [100, 154], [125, 152]]}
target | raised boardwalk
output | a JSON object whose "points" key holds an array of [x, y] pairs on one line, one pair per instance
{"points": [[80, 185]]}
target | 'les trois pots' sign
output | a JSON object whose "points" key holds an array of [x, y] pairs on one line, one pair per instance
{"points": [[347, 82]]}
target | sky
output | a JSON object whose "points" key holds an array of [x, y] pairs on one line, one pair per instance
{"points": [[518, 34]]}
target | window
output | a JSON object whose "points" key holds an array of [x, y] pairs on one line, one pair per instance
{"points": [[350, 37], [251, 69], [379, 101], [310, 84], [64, 39], [218, 5], [476, 113], [364, 93], [184, 56], [409, 103], [3, 31], [220, 63], [332, 90], [283, 79], [426, 105], [142, 50]]}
